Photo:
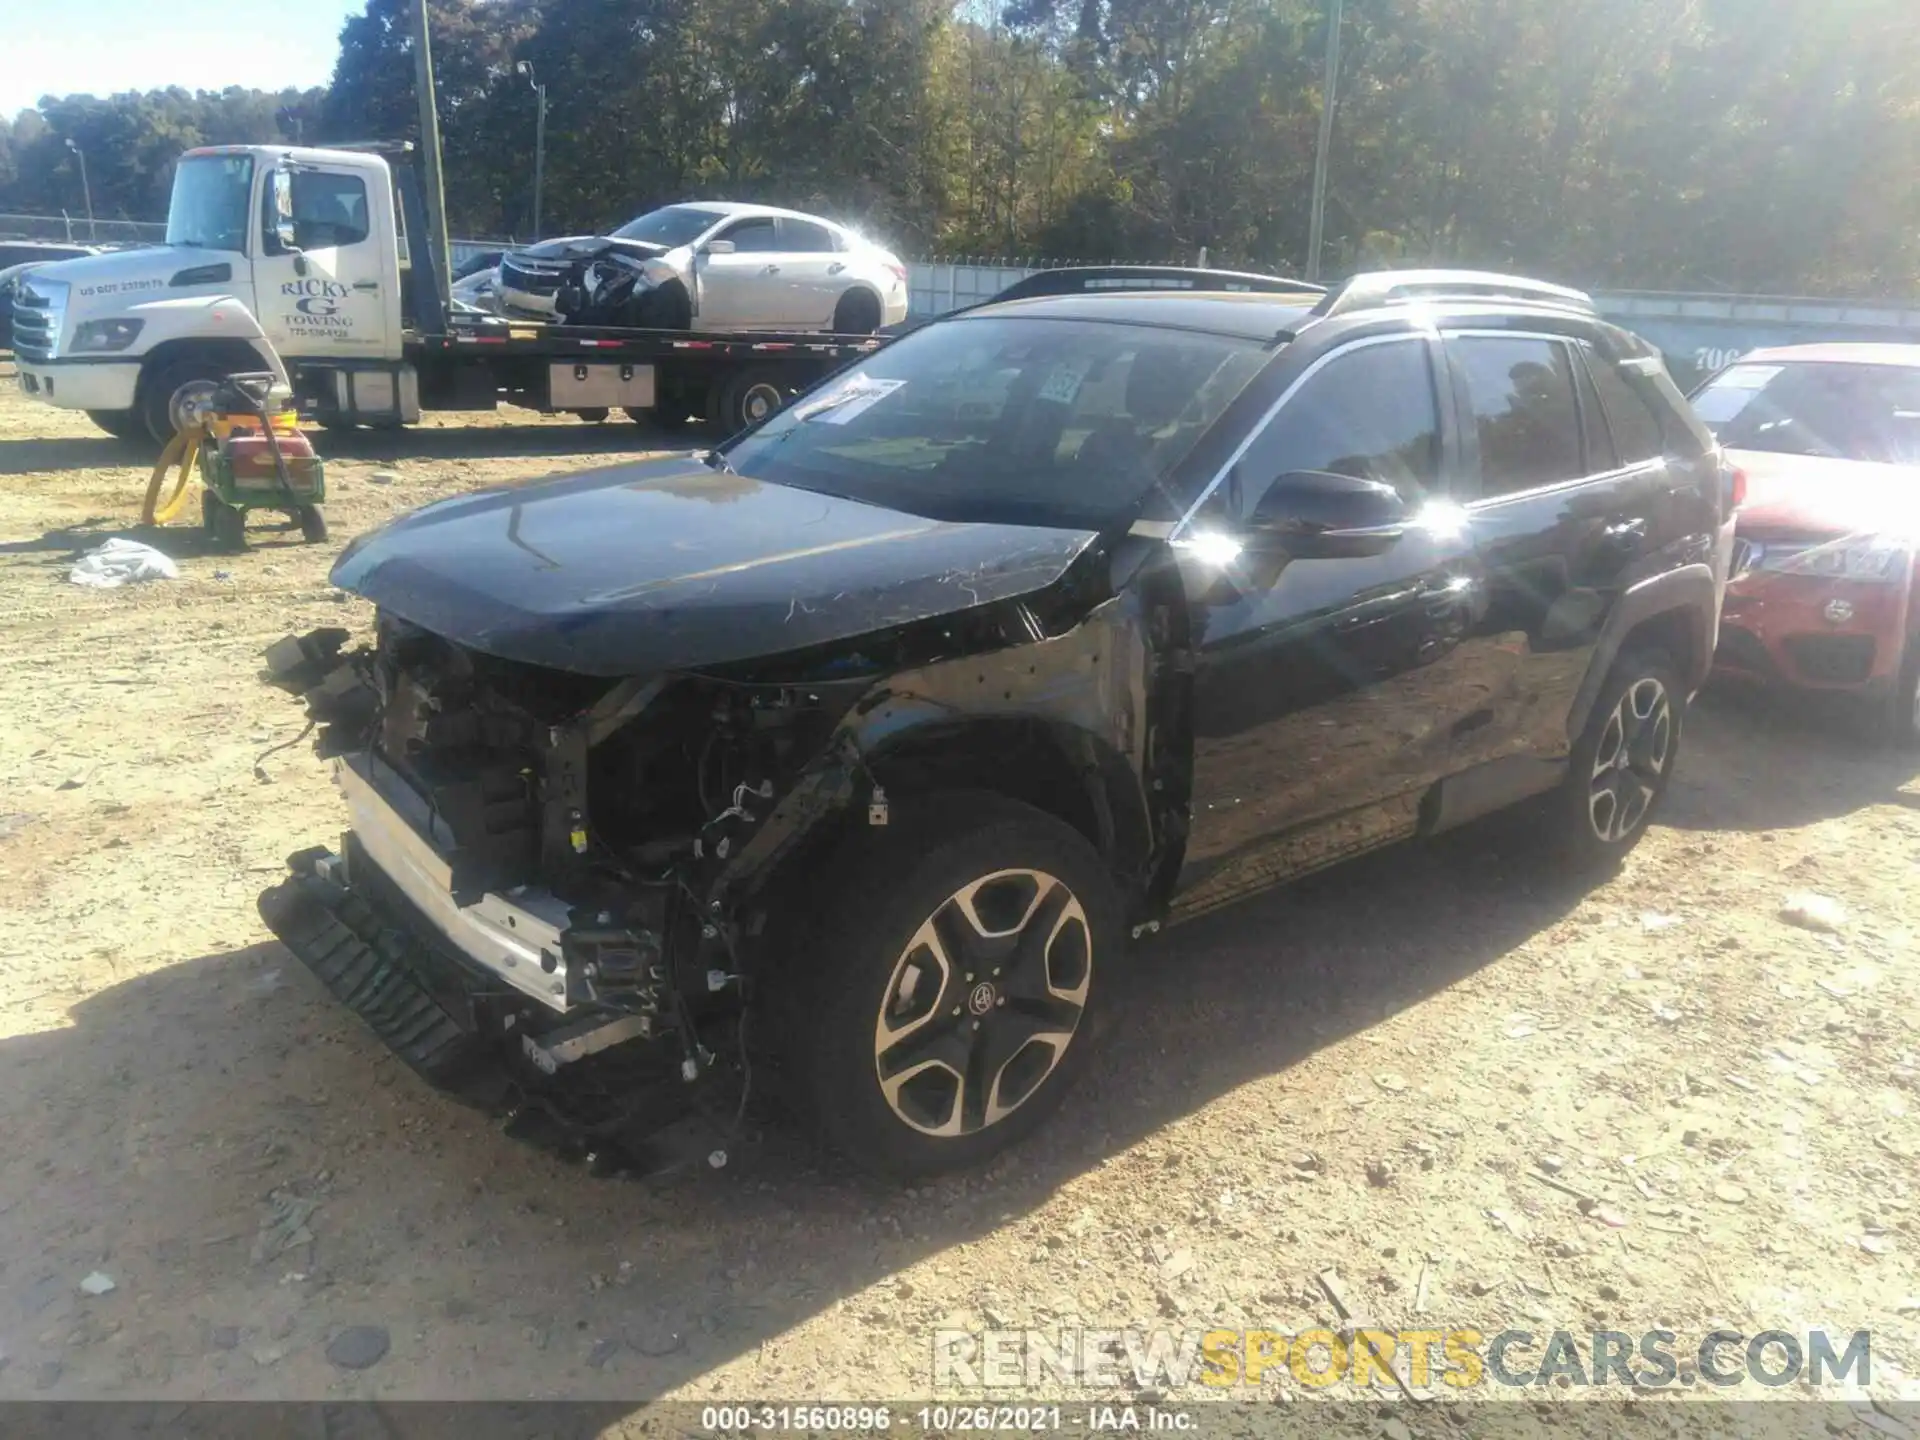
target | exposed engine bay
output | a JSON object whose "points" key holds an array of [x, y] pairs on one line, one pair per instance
{"points": [[604, 282], [588, 873]]}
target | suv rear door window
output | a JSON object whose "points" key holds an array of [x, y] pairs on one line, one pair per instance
{"points": [[1521, 398], [1635, 425], [1369, 413]]}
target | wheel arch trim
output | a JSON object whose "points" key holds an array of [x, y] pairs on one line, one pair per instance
{"points": [[1687, 591]]}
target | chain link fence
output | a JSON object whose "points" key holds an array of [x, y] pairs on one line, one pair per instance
{"points": [[79, 230]]}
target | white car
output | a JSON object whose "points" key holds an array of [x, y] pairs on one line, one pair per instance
{"points": [[711, 265]]}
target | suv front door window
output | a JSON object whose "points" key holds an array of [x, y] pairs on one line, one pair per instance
{"points": [[1327, 692]]}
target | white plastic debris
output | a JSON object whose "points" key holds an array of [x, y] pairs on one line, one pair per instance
{"points": [[98, 1283], [1821, 914], [121, 562]]}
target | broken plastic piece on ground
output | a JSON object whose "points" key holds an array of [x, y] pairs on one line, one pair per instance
{"points": [[120, 562]]}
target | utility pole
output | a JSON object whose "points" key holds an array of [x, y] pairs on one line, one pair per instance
{"points": [[86, 190], [525, 67], [434, 195], [1317, 214]]}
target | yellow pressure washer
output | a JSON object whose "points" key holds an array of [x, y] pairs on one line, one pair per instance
{"points": [[243, 435]]}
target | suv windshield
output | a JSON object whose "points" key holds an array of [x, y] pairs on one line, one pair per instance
{"points": [[1012, 421], [673, 226], [1846, 411], [209, 207]]}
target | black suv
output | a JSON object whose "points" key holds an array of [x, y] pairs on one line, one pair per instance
{"points": [[850, 754]]}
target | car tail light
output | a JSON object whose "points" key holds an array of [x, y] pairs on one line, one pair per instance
{"points": [[1733, 485], [899, 273]]}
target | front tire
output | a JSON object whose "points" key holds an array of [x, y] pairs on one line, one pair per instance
{"points": [[667, 308], [121, 424], [1622, 763], [945, 1000], [1899, 719], [159, 386]]}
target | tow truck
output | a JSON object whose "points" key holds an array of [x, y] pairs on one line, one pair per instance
{"points": [[295, 260]]}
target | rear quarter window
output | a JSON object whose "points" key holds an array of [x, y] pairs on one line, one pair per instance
{"points": [[1633, 417]]}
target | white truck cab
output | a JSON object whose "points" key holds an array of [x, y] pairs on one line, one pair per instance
{"points": [[276, 258]]}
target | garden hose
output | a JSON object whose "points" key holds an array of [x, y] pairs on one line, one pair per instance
{"points": [[182, 450]]}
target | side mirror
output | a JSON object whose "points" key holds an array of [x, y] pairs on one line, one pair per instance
{"points": [[1315, 515], [717, 247], [284, 233]]}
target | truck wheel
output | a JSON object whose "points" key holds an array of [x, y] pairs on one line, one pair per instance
{"points": [[1621, 764], [944, 999], [121, 424], [748, 398], [594, 414], [157, 389], [858, 313]]}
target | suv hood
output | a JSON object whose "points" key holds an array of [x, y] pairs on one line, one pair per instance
{"points": [[671, 565], [1812, 495]]}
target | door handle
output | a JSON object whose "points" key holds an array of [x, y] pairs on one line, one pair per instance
{"points": [[771, 270], [366, 284], [835, 268]]}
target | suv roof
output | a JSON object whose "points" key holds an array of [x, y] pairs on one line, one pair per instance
{"points": [[1251, 317], [1265, 307]]}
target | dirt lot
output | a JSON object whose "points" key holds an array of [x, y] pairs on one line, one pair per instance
{"points": [[1369, 1073]]}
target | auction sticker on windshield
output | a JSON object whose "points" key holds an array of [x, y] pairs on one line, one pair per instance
{"points": [[843, 402]]}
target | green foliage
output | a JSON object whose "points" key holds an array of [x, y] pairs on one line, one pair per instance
{"points": [[1655, 143]]}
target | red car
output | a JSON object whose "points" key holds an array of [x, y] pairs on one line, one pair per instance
{"points": [[1822, 594]]}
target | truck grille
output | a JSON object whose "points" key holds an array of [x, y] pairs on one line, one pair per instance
{"points": [[39, 309]]}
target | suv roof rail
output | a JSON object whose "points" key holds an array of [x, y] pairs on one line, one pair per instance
{"points": [[1398, 287], [1111, 279]]}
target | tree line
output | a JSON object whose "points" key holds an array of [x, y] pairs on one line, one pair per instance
{"points": [[1740, 145]]}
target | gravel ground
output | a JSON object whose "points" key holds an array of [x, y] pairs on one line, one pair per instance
{"points": [[1476, 1094]]}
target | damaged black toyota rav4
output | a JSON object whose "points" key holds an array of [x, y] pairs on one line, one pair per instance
{"points": [[850, 755]]}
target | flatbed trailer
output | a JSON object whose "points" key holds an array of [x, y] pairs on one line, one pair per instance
{"points": [[296, 260], [728, 380]]}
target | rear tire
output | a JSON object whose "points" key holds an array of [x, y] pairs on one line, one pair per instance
{"points": [[947, 987], [858, 313], [1622, 763], [121, 424], [313, 524]]}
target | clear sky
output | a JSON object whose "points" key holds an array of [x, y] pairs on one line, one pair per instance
{"points": [[65, 47]]}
